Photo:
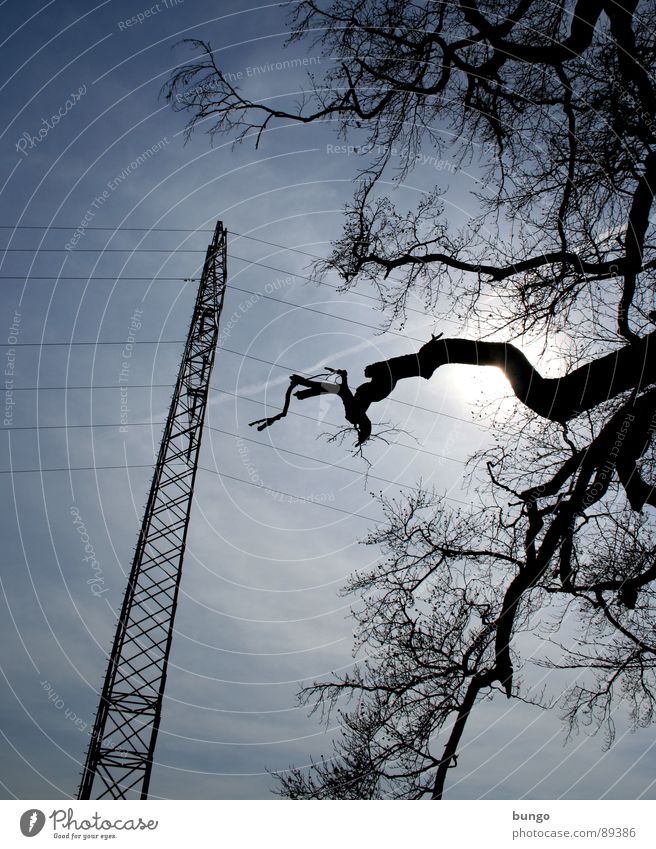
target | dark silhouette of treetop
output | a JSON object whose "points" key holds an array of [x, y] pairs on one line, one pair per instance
{"points": [[552, 106]]}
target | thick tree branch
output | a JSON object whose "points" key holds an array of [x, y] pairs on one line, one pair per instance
{"points": [[352, 412], [600, 459], [558, 399], [584, 18], [634, 241], [449, 756], [598, 270]]}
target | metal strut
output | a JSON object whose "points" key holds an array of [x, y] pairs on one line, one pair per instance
{"points": [[120, 755]]}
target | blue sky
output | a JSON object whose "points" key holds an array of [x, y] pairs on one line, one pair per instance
{"points": [[260, 610]]}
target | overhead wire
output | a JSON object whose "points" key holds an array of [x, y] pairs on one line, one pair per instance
{"points": [[295, 306], [393, 400], [266, 297], [93, 387], [295, 413], [237, 288], [91, 342], [278, 449], [123, 229], [119, 229], [105, 250], [327, 314], [230, 255], [273, 447], [290, 495], [245, 356], [296, 498], [158, 342]]}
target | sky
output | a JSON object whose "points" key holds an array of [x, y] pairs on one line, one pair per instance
{"points": [[105, 214]]}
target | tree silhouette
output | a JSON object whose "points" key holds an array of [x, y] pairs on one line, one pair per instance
{"points": [[554, 106]]}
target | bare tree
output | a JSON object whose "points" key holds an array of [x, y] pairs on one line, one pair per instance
{"points": [[554, 105]]}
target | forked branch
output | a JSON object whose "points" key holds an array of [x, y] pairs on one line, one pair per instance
{"points": [[557, 399]]}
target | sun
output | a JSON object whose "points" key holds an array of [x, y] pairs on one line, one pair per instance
{"points": [[473, 384]]}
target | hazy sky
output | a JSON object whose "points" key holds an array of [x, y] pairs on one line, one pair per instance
{"points": [[87, 142]]}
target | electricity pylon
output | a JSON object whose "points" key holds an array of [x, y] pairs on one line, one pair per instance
{"points": [[120, 756]]}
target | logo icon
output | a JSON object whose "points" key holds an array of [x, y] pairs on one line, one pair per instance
{"points": [[32, 822]]}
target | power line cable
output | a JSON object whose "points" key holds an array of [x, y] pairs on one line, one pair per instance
{"points": [[230, 255], [393, 400], [289, 495], [179, 279], [327, 314], [76, 469], [105, 250], [120, 229], [269, 445], [264, 296], [90, 342], [232, 477], [276, 245], [93, 387], [395, 444], [295, 498], [245, 356]]}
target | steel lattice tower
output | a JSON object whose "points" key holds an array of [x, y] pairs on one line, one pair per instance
{"points": [[120, 756]]}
